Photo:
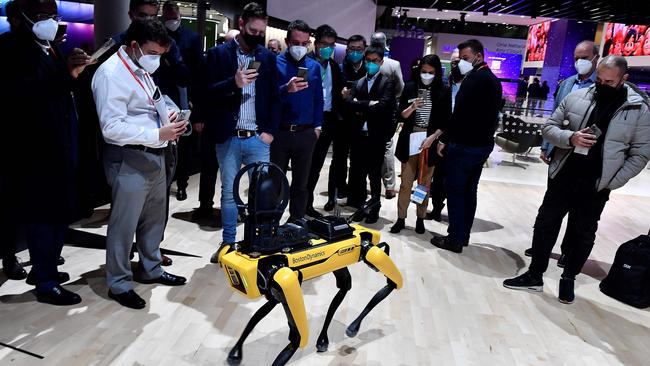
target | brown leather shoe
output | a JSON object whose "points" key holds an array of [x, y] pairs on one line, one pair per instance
{"points": [[166, 261], [390, 194]]}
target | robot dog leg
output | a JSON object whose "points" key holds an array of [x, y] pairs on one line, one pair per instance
{"points": [[235, 355], [344, 284], [285, 289], [379, 260]]}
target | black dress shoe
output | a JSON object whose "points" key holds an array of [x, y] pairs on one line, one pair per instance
{"points": [[166, 261], [59, 296], [128, 299], [167, 279], [561, 262], [311, 212], [528, 252], [181, 195], [61, 261], [62, 277], [203, 213], [13, 269], [329, 206], [390, 194], [443, 242], [435, 214], [372, 217], [397, 227]]}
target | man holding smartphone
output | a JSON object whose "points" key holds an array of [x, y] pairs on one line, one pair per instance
{"points": [[132, 121], [301, 94], [240, 106], [602, 140]]}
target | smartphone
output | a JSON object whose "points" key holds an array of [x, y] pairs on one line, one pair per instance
{"points": [[351, 84], [184, 115], [61, 31], [302, 73], [102, 50], [255, 65], [594, 130], [422, 93]]}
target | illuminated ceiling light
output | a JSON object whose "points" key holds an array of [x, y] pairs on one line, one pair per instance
{"points": [[522, 16], [499, 14], [446, 11]]}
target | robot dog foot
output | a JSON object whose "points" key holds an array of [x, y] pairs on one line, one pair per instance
{"points": [[322, 344], [235, 356]]}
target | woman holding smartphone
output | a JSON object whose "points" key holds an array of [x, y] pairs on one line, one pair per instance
{"points": [[425, 107]]}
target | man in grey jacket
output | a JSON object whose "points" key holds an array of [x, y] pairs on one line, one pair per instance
{"points": [[602, 140]]}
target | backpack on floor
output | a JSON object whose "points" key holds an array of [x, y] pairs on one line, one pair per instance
{"points": [[629, 278]]}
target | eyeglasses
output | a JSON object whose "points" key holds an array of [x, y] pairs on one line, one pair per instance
{"points": [[40, 17]]}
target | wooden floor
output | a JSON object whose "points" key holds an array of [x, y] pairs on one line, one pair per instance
{"points": [[452, 310]]}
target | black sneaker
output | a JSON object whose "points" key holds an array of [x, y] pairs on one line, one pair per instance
{"points": [[567, 296], [528, 252], [443, 242], [526, 281], [561, 262], [399, 225], [419, 226]]}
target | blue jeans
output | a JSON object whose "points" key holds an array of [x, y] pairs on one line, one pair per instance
{"points": [[464, 167], [231, 155]]}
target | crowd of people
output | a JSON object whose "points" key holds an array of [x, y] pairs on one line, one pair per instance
{"points": [[255, 102]]}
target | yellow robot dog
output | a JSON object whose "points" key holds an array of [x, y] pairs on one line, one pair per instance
{"points": [[273, 260]]}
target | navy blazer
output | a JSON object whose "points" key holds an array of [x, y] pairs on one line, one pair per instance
{"points": [[220, 99]]}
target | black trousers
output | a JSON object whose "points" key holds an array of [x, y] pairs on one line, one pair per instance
{"points": [[184, 162], [437, 192], [297, 147], [340, 155], [366, 159], [209, 169], [45, 242], [567, 193], [318, 160]]}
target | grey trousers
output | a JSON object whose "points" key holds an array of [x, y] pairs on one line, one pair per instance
{"points": [[388, 168], [138, 185]]}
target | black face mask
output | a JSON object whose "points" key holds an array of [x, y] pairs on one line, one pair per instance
{"points": [[606, 93], [253, 41], [456, 76]]}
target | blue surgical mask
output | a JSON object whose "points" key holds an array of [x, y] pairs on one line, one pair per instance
{"points": [[355, 56], [326, 53], [372, 68]]}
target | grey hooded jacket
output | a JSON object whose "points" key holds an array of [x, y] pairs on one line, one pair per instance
{"points": [[626, 148]]}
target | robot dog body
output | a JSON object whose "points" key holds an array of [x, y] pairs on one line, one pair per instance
{"points": [[278, 275]]}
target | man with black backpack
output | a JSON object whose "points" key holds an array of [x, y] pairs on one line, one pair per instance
{"points": [[602, 140]]}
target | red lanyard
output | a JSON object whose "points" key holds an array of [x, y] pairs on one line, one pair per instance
{"points": [[135, 76]]}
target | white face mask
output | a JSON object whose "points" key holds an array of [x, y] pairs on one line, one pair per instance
{"points": [[298, 52], [465, 66], [45, 30], [173, 24], [583, 66], [427, 78], [150, 63]]}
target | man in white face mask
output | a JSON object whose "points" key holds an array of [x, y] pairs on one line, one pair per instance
{"points": [[301, 94], [586, 59], [38, 171], [469, 138], [130, 118]]}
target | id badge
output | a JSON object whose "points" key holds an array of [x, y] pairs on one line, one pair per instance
{"points": [[419, 194]]}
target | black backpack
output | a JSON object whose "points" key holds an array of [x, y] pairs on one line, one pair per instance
{"points": [[629, 278]]}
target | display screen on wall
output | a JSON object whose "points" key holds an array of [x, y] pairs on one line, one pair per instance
{"points": [[504, 65], [536, 44], [626, 40]]}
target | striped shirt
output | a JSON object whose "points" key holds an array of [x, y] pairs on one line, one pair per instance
{"points": [[422, 114], [247, 118]]}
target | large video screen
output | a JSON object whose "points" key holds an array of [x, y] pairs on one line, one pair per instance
{"points": [[536, 44], [627, 40], [504, 65]]}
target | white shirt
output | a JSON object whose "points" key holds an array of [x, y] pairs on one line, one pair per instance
{"points": [[126, 113]]}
